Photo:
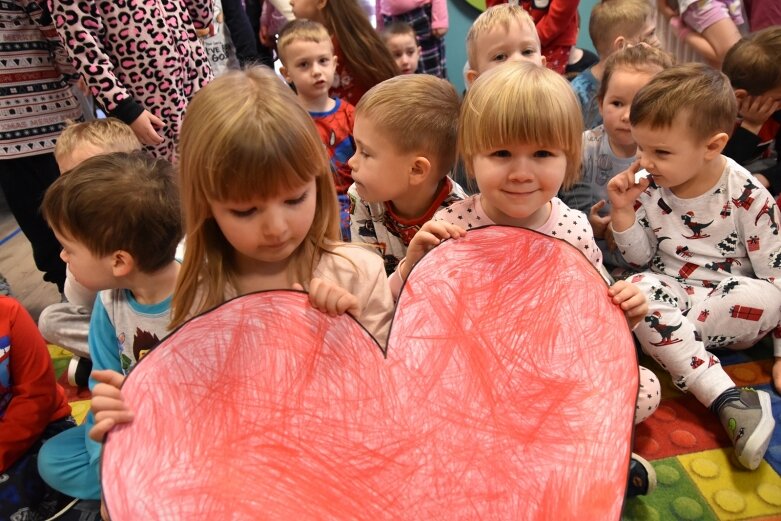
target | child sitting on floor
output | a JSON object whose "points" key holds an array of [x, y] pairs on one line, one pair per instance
{"points": [[753, 66], [612, 26], [710, 233], [609, 148], [501, 33], [405, 136], [33, 408], [117, 217], [66, 324]]}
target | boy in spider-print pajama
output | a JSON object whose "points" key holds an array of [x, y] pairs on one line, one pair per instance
{"points": [[141, 59], [710, 232]]}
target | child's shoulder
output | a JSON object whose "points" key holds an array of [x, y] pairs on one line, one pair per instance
{"points": [[459, 206]]}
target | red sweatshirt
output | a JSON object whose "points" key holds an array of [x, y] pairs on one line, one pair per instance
{"points": [[556, 20], [30, 397]]}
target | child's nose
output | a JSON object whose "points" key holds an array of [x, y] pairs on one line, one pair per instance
{"points": [[351, 162]]}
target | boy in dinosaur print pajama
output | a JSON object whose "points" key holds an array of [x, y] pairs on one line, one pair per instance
{"points": [[710, 232]]}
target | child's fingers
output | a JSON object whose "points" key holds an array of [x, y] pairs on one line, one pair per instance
{"points": [[100, 429], [109, 391], [109, 377], [297, 287], [347, 303], [107, 404], [597, 207]]}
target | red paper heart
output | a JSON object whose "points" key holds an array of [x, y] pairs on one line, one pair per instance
{"points": [[508, 392]]}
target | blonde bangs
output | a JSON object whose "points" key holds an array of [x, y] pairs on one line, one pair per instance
{"points": [[521, 103], [244, 144]]}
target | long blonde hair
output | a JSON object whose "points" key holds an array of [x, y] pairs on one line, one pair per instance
{"points": [[245, 136]]}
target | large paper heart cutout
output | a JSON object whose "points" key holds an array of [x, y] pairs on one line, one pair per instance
{"points": [[508, 392]]}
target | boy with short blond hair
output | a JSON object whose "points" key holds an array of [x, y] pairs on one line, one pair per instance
{"points": [[118, 219], [710, 233], [308, 62], [504, 32], [405, 137], [753, 66], [80, 141], [66, 324], [399, 38], [613, 25]]}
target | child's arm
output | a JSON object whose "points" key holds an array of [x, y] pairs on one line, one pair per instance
{"points": [[439, 18], [633, 238], [201, 12], [108, 407], [39, 14], [34, 396], [430, 235], [631, 300], [80, 26]]}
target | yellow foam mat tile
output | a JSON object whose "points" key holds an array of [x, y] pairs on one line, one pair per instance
{"points": [[731, 491], [79, 410]]}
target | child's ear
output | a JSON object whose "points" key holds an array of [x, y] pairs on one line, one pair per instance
{"points": [[544, 61], [471, 76], [419, 170], [716, 144], [618, 44], [283, 72], [741, 94], [321, 4], [336, 61], [122, 263]]}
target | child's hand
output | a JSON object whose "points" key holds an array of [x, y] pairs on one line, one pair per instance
{"points": [[777, 374], [144, 128], [622, 189], [330, 298], [755, 110], [598, 223], [107, 404], [631, 300], [430, 235]]}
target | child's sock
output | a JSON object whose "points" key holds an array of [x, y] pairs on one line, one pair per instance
{"points": [[748, 419]]}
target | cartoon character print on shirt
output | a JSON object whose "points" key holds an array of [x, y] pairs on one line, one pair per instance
{"points": [[769, 209], [143, 342], [696, 227], [5, 374]]}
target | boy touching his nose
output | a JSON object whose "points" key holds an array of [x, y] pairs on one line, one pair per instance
{"points": [[711, 234], [309, 64]]}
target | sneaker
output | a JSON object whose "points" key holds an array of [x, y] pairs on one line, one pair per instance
{"points": [[748, 419], [79, 370], [642, 477]]}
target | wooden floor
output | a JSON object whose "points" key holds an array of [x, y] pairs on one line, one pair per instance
{"points": [[16, 265]]}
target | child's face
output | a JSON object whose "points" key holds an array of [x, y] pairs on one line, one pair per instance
{"points": [[674, 157], [93, 272], [265, 232], [310, 67], [405, 51], [309, 9], [517, 181], [621, 89], [518, 43], [380, 171], [80, 153]]}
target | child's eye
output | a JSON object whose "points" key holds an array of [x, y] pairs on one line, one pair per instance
{"points": [[324, 61], [398, 54], [501, 153], [617, 104], [529, 52], [543, 153], [661, 152], [297, 200], [500, 57], [303, 65], [243, 213]]}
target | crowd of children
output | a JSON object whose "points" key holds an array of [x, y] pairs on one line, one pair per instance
{"points": [[339, 182]]}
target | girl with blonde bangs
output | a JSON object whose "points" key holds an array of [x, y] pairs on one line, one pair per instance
{"points": [[260, 207], [531, 107], [520, 138]]}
